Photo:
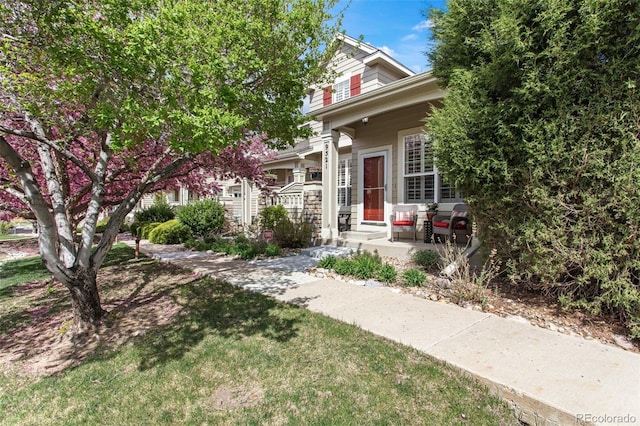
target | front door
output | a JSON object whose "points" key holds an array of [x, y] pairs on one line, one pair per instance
{"points": [[374, 187]]}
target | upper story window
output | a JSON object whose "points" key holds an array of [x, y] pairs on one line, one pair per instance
{"points": [[341, 90]]}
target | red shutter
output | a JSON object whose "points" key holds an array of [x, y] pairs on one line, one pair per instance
{"points": [[326, 96], [355, 85]]}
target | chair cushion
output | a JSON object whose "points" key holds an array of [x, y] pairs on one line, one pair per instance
{"points": [[445, 224], [402, 223]]}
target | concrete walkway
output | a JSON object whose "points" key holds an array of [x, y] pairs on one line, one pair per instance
{"points": [[549, 378]]}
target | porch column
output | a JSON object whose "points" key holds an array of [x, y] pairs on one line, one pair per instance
{"points": [[245, 193], [330, 186], [299, 175]]}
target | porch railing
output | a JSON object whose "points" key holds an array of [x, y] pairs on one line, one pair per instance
{"points": [[291, 197]]}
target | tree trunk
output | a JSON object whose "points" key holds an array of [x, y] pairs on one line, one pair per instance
{"points": [[85, 301]]}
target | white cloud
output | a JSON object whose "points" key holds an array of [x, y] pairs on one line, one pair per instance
{"points": [[424, 25], [389, 51], [409, 37]]}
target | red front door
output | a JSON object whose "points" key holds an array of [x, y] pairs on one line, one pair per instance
{"points": [[374, 188]]}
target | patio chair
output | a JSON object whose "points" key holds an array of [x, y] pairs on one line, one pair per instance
{"points": [[449, 224], [404, 218]]}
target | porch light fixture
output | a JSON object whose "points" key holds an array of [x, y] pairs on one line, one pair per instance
{"points": [[365, 120]]}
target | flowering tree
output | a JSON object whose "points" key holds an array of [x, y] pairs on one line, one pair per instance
{"points": [[104, 101]]}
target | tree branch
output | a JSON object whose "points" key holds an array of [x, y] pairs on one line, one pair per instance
{"points": [[48, 235]]}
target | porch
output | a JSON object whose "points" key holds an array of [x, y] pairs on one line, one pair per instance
{"points": [[400, 249]]}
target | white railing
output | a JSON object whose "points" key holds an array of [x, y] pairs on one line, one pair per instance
{"points": [[291, 197]]}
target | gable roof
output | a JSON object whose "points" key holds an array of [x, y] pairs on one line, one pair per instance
{"points": [[375, 56]]}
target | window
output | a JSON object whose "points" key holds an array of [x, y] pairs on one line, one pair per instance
{"points": [[173, 196], [344, 182], [422, 183], [341, 91]]}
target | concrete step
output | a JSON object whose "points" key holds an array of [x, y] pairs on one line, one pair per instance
{"points": [[363, 235]]}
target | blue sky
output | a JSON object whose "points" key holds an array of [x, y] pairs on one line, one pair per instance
{"points": [[398, 27]]}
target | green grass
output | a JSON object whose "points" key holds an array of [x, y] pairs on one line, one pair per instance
{"points": [[14, 237], [233, 357], [21, 271]]}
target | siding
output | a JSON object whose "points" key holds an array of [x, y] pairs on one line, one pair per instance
{"points": [[380, 131]]}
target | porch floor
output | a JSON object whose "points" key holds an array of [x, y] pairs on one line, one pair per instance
{"points": [[400, 249]]}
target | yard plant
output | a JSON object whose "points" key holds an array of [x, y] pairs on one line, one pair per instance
{"points": [[539, 130], [203, 217], [106, 101]]}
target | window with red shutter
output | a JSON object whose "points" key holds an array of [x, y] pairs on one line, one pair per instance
{"points": [[355, 85], [326, 96]]}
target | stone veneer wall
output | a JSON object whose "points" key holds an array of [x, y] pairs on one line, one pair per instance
{"points": [[313, 210]]}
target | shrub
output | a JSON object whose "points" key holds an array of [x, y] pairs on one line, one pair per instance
{"points": [[142, 229], [386, 273], [272, 215], [343, 267], [156, 213], [428, 259], [328, 262], [170, 232], [102, 224], [203, 217], [468, 283], [290, 234], [4, 227], [272, 250], [542, 138], [366, 265], [413, 278]]}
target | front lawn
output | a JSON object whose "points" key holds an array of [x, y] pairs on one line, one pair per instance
{"points": [[182, 349]]}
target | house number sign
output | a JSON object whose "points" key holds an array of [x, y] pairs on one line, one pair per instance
{"points": [[326, 155]]}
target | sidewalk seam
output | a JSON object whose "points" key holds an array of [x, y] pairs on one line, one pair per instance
{"points": [[458, 332]]}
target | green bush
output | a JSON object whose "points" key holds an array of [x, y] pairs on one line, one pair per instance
{"points": [[428, 259], [366, 265], [387, 273], [540, 132], [156, 213], [203, 217], [240, 246], [144, 228], [170, 232], [290, 234], [328, 262], [272, 250], [343, 267], [413, 278], [272, 215], [4, 227], [102, 224]]}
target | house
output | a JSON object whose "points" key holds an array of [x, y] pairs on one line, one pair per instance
{"points": [[370, 151]]}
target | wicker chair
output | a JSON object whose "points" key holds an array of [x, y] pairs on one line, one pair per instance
{"points": [[449, 224], [404, 218]]}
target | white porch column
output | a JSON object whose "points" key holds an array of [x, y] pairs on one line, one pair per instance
{"points": [[330, 186], [299, 175], [245, 192]]}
